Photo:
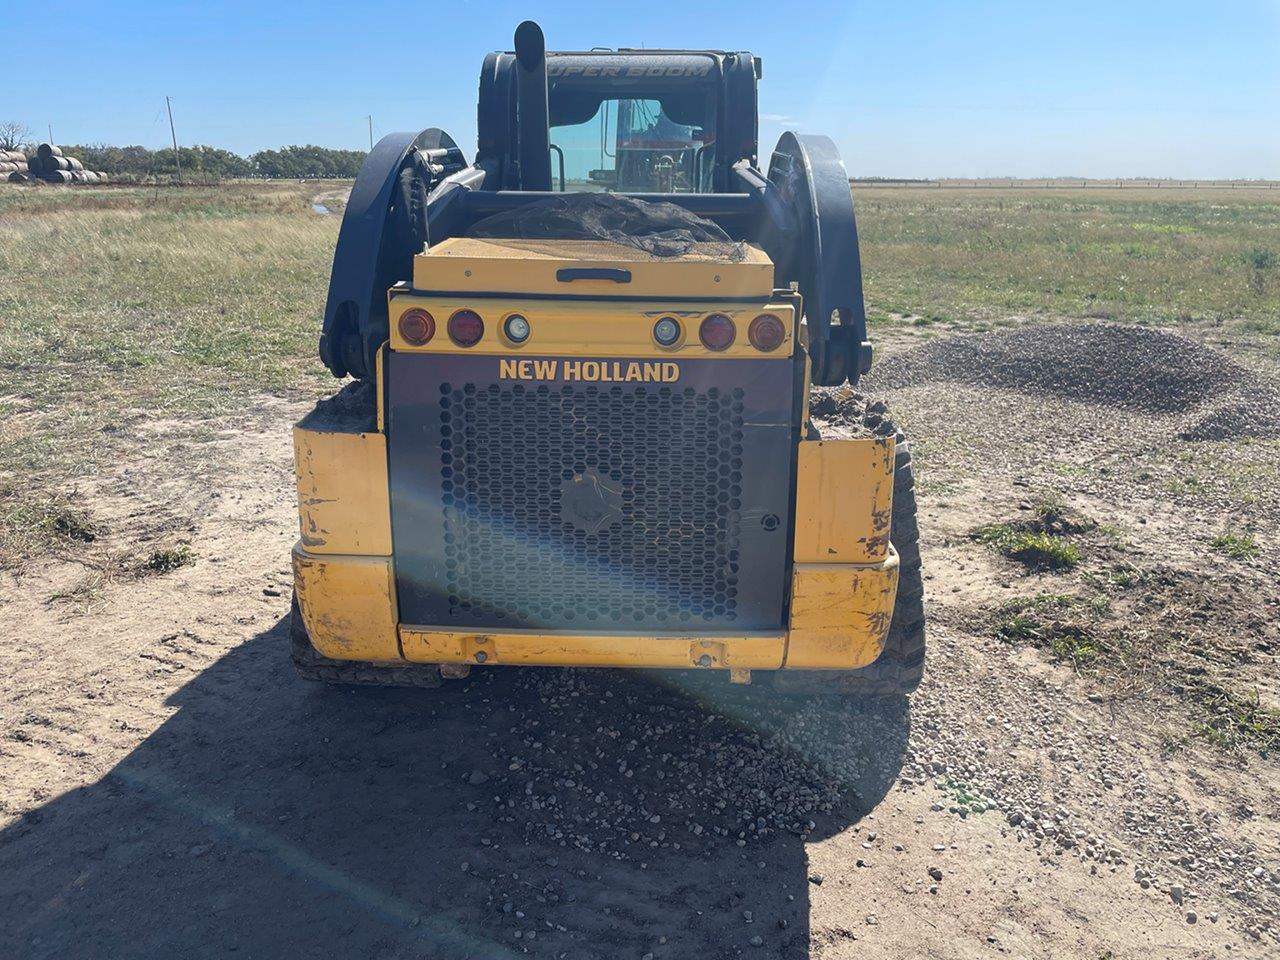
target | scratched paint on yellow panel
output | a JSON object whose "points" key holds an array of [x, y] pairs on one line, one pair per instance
{"points": [[343, 505], [379, 384], [844, 500], [348, 605], [840, 613], [761, 651]]}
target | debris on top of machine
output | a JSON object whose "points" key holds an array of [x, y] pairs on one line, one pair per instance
{"points": [[844, 411], [353, 409], [658, 229]]}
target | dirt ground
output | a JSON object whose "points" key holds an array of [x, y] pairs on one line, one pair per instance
{"points": [[170, 789]]}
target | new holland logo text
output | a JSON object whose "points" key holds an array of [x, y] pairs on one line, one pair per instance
{"points": [[601, 371]]}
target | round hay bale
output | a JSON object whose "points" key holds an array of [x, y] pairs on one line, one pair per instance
{"points": [[47, 150], [18, 177], [89, 176], [102, 177], [77, 176], [73, 163], [58, 176], [13, 156], [55, 163], [6, 167], [35, 165]]}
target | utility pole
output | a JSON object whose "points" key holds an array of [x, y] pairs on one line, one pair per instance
{"points": [[176, 159], [371, 131], [51, 134]]}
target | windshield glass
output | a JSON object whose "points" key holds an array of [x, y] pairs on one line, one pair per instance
{"points": [[633, 146]]}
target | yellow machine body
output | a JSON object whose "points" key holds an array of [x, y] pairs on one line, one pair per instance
{"points": [[843, 569]]}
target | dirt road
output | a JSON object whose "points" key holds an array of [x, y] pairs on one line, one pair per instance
{"points": [[171, 790]]}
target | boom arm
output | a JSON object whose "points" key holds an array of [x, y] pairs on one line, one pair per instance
{"points": [[383, 227], [807, 179]]}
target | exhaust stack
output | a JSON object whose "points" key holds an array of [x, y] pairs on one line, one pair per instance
{"points": [[533, 114]]}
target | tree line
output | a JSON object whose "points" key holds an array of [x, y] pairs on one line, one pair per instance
{"points": [[307, 162]]}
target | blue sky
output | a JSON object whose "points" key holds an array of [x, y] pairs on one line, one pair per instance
{"points": [[921, 89]]}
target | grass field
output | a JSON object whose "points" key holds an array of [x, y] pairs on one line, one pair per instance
{"points": [[127, 306], [978, 256]]}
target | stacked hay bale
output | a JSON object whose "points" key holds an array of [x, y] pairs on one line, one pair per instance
{"points": [[13, 165], [51, 166]]}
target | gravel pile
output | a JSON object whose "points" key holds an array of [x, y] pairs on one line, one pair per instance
{"points": [[1126, 367], [1251, 412]]}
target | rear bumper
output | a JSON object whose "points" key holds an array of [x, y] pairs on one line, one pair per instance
{"points": [[840, 615]]}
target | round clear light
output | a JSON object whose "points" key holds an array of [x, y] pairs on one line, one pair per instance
{"points": [[517, 328], [666, 331]]}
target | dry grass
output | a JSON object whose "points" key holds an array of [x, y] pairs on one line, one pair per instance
{"points": [[972, 257], [127, 307]]}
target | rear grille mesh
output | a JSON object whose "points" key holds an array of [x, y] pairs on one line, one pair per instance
{"points": [[581, 506]]}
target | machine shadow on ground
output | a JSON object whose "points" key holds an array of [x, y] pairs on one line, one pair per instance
{"points": [[276, 818]]}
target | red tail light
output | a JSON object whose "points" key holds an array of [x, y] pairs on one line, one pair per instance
{"points": [[417, 327], [717, 332], [466, 328], [766, 332]]}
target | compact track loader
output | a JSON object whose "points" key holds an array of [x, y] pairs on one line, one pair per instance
{"points": [[578, 431]]}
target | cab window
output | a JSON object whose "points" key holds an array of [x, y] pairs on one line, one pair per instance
{"points": [[634, 145]]}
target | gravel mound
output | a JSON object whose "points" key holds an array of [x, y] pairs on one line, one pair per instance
{"points": [[1126, 367], [1248, 413]]}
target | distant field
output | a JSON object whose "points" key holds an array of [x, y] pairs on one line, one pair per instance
{"points": [[975, 256], [127, 306], [1068, 183]]}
